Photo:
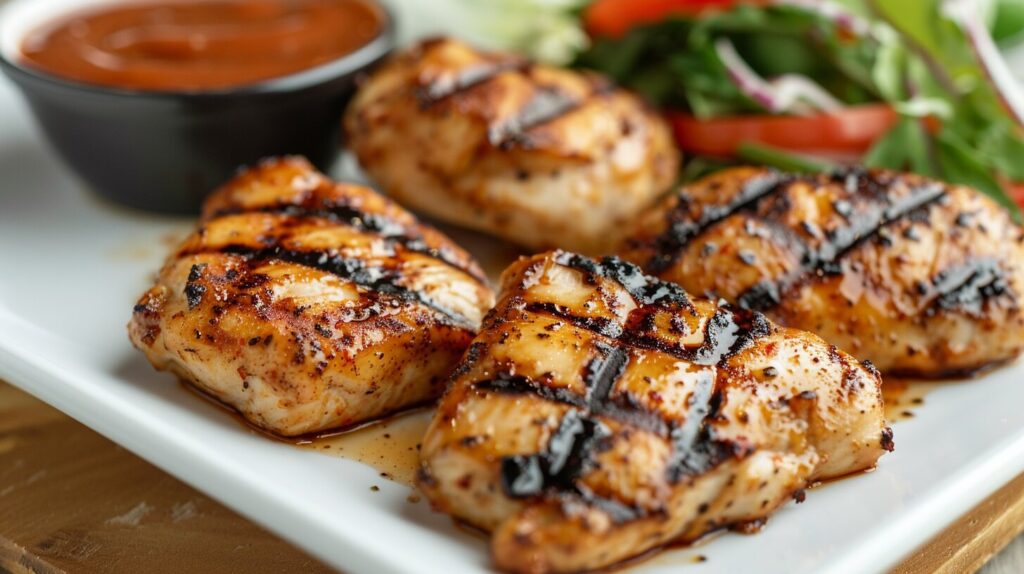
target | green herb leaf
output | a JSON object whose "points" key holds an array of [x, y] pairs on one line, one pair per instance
{"points": [[1008, 28], [888, 71], [1002, 145], [674, 63], [960, 165], [914, 57], [917, 19], [904, 147]]}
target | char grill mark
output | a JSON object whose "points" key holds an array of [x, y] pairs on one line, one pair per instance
{"points": [[547, 104], [572, 449], [600, 377], [644, 289], [726, 334], [762, 296], [884, 211], [694, 448], [602, 373], [967, 287], [863, 226], [569, 455], [375, 279], [599, 325], [334, 212], [194, 290], [389, 230], [858, 180], [770, 228], [608, 366], [683, 228], [507, 383], [443, 88]]}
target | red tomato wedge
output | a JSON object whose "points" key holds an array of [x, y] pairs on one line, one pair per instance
{"points": [[613, 18], [851, 130], [1015, 189]]}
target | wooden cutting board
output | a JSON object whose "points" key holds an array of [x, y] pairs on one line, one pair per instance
{"points": [[72, 501]]}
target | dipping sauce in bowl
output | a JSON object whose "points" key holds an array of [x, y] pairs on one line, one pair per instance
{"points": [[196, 45], [154, 103]]}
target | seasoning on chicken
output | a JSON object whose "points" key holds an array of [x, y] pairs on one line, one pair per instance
{"points": [[601, 413], [540, 156], [310, 305], [919, 277]]}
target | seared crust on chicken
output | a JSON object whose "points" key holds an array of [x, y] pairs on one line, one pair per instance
{"points": [[310, 305], [919, 277], [539, 156], [601, 413]]}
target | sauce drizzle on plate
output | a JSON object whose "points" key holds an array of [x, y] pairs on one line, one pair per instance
{"points": [[903, 397], [391, 445]]}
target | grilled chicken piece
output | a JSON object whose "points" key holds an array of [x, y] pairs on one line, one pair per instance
{"points": [[309, 305], [919, 277], [539, 156], [600, 413]]}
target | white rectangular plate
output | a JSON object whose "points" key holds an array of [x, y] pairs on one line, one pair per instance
{"points": [[71, 268]]}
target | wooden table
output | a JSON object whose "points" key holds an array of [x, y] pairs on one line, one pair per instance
{"points": [[72, 501]]}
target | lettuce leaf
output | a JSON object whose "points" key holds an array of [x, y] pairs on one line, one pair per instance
{"points": [[914, 55]]}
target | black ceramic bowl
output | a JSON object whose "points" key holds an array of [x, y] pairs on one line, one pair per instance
{"points": [[164, 151]]}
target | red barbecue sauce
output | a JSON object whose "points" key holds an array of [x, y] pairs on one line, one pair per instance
{"points": [[195, 45]]}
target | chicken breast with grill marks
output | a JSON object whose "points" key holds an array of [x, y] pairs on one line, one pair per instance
{"points": [[309, 305], [601, 413], [919, 277], [540, 156]]}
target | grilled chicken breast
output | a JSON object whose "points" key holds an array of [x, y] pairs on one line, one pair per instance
{"points": [[536, 155], [919, 277], [601, 413], [310, 305]]}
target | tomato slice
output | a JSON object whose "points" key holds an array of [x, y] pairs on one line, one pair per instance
{"points": [[1015, 189], [613, 18], [850, 131]]}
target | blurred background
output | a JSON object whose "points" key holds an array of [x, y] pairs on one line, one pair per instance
{"points": [[930, 86]]}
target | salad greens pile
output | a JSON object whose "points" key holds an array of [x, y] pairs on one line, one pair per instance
{"points": [[961, 114], [677, 63]]}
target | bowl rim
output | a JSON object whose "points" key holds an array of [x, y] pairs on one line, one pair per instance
{"points": [[380, 46]]}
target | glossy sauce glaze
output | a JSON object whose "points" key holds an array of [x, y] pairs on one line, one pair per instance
{"points": [[392, 445], [188, 45], [903, 397]]}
